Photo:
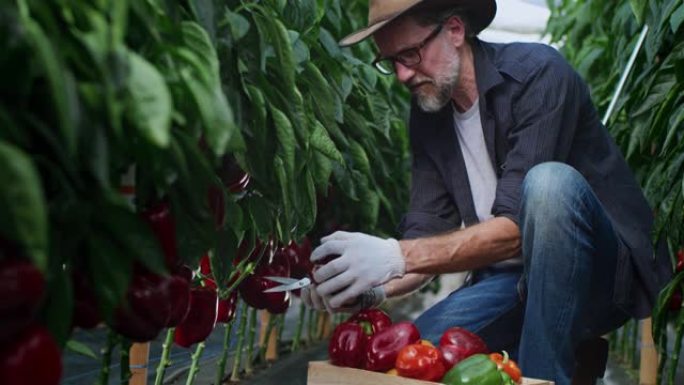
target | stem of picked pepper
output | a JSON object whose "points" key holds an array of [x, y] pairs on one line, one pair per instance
{"points": [[235, 375], [250, 344], [124, 351], [221, 370], [194, 368], [164, 362], [298, 331], [107, 357]]}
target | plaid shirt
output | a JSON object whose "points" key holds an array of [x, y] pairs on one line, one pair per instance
{"points": [[534, 108]]}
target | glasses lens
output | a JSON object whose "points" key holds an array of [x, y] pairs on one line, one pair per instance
{"points": [[409, 57], [385, 67]]}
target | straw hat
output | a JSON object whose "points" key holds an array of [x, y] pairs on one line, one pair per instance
{"points": [[381, 12]]}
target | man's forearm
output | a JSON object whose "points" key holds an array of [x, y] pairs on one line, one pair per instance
{"points": [[406, 284], [474, 247]]}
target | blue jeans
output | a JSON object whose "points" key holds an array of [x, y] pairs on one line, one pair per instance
{"points": [[563, 294]]}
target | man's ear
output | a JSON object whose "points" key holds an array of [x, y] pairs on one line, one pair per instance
{"points": [[456, 30]]}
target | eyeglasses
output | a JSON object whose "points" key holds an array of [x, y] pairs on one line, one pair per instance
{"points": [[409, 57]]}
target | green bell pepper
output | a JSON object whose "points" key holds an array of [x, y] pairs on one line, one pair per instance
{"points": [[477, 369]]}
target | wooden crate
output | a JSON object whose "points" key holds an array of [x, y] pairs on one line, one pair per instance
{"points": [[323, 373]]}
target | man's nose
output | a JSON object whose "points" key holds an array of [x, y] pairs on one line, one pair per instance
{"points": [[404, 73]]}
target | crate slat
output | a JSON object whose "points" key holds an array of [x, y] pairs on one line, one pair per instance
{"points": [[323, 373]]}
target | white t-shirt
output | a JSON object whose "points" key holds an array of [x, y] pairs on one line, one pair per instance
{"points": [[479, 167], [481, 173]]}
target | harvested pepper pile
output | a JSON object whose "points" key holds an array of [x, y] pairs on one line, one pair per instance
{"points": [[369, 340]]}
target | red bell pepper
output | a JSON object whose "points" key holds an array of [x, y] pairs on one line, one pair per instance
{"points": [[179, 295], [31, 357], [226, 308], [300, 264], [457, 344], [86, 313], [233, 177], [505, 364], [22, 287], [217, 205], [252, 288], [163, 225], [375, 319], [201, 318], [384, 346], [680, 260], [421, 362], [347, 345], [147, 309]]}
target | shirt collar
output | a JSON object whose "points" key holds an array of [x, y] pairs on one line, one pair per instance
{"points": [[486, 73]]}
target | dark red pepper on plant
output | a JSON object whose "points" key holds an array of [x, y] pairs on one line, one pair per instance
{"points": [[421, 362], [233, 176], [163, 225], [383, 347], [31, 357], [201, 318], [457, 343], [226, 308], [217, 205], [179, 293], [675, 300], [22, 287], [680, 261], [147, 309], [252, 288], [300, 264], [347, 345], [86, 312]]}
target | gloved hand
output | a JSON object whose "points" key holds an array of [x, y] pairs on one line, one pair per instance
{"points": [[371, 298], [364, 262], [311, 298]]}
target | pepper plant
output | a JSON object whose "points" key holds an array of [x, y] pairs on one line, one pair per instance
{"points": [[242, 122], [648, 121]]}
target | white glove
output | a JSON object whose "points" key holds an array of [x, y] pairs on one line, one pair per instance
{"points": [[311, 298], [365, 262], [370, 298]]}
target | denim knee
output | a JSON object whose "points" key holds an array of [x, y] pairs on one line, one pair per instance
{"points": [[551, 191]]}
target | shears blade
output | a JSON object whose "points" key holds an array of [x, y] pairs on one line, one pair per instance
{"points": [[288, 284]]}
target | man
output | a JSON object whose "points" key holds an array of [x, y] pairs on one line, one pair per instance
{"points": [[513, 178]]}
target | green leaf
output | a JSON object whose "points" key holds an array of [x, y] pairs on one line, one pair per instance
{"points": [[205, 13], [132, 235], [22, 205], [110, 267], [59, 306], [61, 81], [280, 40], [197, 40], [286, 139], [80, 348], [305, 203], [260, 213], [150, 106], [321, 169], [639, 8], [676, 120], [301, 14], [239, 25], [284, 182], [677, 18], [321, 141]]}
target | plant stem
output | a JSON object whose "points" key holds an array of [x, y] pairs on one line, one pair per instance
{"points": [[235, 375], [221, 370], [250, 344], [125, 354], [310, 328], [281, 327], [298, 331], [107, 358], [164, 362], [194, 368], [674, 359]]}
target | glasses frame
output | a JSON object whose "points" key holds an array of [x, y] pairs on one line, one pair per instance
{"points": [[377, 62]]}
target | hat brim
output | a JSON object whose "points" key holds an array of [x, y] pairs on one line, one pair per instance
{"points": [[481, 13]]}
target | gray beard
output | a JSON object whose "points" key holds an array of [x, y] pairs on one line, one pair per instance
{"points": [[443, 86]]}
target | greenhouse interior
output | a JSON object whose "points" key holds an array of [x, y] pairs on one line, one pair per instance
{"points": [[263, 192]]}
